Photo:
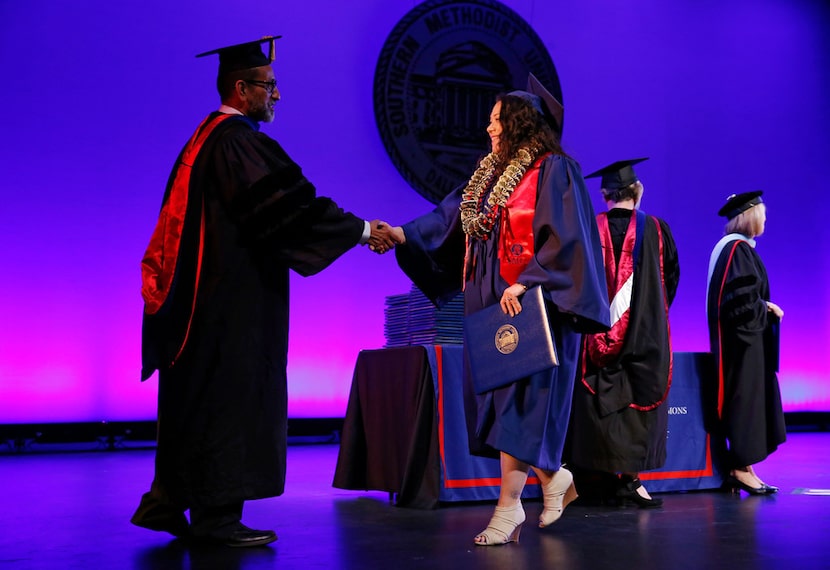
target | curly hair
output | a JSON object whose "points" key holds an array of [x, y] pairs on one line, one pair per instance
{"points": [[524, 126]]}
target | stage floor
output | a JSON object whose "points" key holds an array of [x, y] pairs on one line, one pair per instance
{"points": [[72, 510]]}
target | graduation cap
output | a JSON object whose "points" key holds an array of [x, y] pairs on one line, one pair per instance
{"points": [[736, 204], [543, 101], [244, 56], [617, 174]]}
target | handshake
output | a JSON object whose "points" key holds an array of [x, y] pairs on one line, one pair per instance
{"points": [[384, 237]]}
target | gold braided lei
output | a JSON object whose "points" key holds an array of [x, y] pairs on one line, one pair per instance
{"points": [[479, 224]]}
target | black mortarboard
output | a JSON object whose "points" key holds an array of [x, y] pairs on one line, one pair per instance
{"points": [[243, 56], [618, 174], [543, 101], [739, 203]]}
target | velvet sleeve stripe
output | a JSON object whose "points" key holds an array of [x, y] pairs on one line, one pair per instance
{"points": [[268, 189], [741, 306], [272, 206]]}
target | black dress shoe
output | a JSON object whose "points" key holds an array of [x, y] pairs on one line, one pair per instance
{"points": [[628, 490], [240, 536], [770, 488], [250, 537], [736, 485]]}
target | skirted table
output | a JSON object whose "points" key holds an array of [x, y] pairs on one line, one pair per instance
{"points": [[693, 461], [405, 431]]}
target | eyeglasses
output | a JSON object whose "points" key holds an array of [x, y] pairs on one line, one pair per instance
{"points": [[269, 86]]}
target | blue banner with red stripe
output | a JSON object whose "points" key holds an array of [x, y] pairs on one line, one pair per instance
{"points": [[690, 463], [464, 477]]}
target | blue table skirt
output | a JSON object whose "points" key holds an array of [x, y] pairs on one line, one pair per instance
{"points": [[690, 462], [406, 437]]}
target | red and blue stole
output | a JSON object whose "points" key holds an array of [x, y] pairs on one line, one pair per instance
{"points": [[604, 347]]}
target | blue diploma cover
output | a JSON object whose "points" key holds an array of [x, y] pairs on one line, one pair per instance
{"points": [[503, 349]]}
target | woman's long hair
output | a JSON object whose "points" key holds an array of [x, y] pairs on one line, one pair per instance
{"points": [[524, 126]]}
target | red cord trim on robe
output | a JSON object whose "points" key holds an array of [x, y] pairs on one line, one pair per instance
{"points": [[195, 283], [720, 331]]}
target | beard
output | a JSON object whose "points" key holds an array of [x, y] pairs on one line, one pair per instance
{"points": [[264, 113]]}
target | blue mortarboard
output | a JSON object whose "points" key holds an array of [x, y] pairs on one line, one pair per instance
{"points": [[739, 203], [543, 101], [244, 56], [617, 174]]}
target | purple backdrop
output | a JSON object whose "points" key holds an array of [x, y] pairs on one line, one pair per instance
{"points": [[99, 97]]}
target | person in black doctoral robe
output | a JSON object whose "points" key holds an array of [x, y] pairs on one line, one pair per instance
{"points": [[237, 215], [620, 417], [743, 335]]}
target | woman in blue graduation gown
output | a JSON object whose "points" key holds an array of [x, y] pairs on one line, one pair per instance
{"points": [[524, 219]]}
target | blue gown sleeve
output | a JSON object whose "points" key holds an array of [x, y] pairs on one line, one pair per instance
{"points": [[433, 255], [568, 259]]}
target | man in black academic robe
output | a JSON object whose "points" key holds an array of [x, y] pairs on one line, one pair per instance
{"points": [[237, 215]]}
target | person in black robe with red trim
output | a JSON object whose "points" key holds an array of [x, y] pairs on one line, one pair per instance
{"points": [[620, 417], [743, 335], [237, 215]]}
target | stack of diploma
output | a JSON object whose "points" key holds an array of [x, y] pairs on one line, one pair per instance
{"points": [[412, 319]]}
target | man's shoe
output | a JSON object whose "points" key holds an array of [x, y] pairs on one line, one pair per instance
{"points": [[244, 536], [239, 536]]}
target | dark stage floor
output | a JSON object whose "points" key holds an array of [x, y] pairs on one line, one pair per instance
{"points": [[71, 510]]}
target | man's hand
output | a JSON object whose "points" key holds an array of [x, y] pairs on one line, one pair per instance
{"points": [[383, 236]]}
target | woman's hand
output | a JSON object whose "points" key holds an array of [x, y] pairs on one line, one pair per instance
{"points": [[384, 237], [397, 235], [775, 309], [510, 303]]}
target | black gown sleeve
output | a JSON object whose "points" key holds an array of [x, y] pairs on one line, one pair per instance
{"points": [[671, 262], [275, 207], [743, 307]]}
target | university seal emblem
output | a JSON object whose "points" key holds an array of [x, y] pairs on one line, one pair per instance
{"points": [[436, 81], [507, 339]]}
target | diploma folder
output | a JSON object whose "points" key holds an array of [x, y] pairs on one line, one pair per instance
{"points": [[503, 349]]}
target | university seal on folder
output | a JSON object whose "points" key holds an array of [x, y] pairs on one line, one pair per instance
{"points": [[503, 349]]}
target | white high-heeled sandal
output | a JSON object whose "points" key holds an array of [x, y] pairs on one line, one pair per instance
{"points": [[559, 491], [504, 526]]}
